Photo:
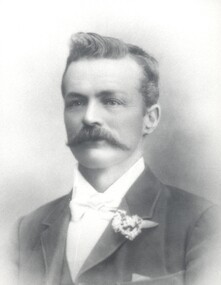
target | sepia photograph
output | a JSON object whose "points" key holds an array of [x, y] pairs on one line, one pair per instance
{"points": [[110, 150]]}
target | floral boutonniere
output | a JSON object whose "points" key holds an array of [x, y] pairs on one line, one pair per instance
{"points": [[130, 226]]}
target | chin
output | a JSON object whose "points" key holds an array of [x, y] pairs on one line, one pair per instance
{"points": [[93, 162], [97, 159]]}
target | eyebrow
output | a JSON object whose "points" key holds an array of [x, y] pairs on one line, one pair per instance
{"points": [[104, 93], [73, 94], [107, 93]]}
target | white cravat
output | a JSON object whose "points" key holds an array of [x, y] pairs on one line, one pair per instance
{"points": [[86, 228], [105, 206]]}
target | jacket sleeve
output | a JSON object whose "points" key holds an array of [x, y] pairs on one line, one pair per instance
{"points": [[203, 254]]}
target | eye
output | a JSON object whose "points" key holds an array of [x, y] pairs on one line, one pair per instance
{"points": [[75, 103], [112, 102]]}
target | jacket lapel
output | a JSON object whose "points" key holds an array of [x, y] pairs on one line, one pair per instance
{"points": [[144, 194], [148, 199], [53, 240], [141, 199]]}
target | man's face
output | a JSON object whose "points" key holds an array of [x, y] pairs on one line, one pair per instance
{"points": [[104, 111]]}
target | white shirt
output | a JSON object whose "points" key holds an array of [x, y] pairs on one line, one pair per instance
{"points": [[83, 234]]}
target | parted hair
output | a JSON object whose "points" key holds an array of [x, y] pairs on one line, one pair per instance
{"points": [[94, 46]]}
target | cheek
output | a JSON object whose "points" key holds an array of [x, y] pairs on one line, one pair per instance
{"points": [[131, 127], [71, 123]]}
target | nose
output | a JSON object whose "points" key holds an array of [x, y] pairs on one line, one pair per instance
{"points": [[92, 115]]}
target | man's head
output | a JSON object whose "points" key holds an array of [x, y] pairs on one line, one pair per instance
{"points": [[110, 91]]}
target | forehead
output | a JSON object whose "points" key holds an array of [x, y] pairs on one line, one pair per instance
{"points": [[96, 74]]}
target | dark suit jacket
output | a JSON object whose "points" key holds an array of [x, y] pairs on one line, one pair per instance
{"points": [[183, 249]]}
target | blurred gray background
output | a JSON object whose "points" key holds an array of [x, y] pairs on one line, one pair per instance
{"points": [[184, 36]]}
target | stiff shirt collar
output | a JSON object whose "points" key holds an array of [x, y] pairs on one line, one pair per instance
{"points": [[82, 189]]}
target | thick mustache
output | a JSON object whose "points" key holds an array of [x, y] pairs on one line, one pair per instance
{"points": [[95, 134]]}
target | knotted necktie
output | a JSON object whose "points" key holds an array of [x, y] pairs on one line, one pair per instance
{"points": [[103, 205]]}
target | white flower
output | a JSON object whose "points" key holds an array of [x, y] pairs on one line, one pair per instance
{"points": [[130, 226]]}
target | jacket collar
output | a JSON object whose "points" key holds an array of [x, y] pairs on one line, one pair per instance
{"points": [[142, 197]]}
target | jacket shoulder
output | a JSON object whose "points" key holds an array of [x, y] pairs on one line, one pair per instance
{"points": [[188, 210], [35, 219], [186, 201]]}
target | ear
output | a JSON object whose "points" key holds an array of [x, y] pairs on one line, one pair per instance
{"points": [[151, 119]]}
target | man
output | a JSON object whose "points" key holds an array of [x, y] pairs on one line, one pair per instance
{"points": [[120, 224]]}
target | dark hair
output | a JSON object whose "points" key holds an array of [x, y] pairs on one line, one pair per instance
{"points": [[91, 45]]}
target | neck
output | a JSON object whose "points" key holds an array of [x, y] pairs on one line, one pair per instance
{"points": [[103, 178]]}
